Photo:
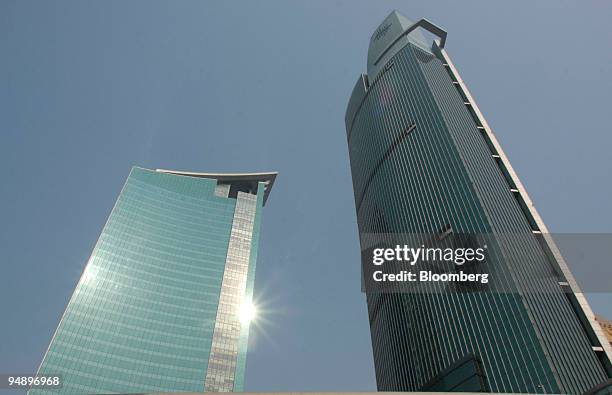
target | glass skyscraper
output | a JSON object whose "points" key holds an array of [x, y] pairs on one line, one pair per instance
{"points": [[425, 161], [163, 301]]}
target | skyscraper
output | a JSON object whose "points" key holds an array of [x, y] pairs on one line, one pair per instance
{"points": [[425, 161], [165, 300]]}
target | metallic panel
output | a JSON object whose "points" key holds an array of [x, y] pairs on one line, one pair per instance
{"points": [[224, 350]]}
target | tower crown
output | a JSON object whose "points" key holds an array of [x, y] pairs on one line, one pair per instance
{"points": [[392, 35]]}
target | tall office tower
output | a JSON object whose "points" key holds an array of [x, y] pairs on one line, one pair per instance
{"points": [[424, 161], [164, 302]]}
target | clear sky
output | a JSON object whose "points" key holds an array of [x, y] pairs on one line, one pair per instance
{"points": [[88, 89]]}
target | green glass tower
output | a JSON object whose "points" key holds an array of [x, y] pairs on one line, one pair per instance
{"points": [[424, 161], [163, 302]]}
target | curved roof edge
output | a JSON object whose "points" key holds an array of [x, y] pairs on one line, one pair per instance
{"points": [[390, 37], [248, 179]]}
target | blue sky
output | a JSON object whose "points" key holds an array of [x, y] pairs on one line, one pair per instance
{"points": [[88, 89]]}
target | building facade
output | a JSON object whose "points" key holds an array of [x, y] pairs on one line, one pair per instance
{"points": [[424, 161], [158, 306]]}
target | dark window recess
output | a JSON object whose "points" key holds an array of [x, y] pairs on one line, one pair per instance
{"points": [[604, 388], [446, 231], [492, 148], [461, 93], [555, 271], [472, 112], [385, 68], [382, 160], [465, 375], [506, 173], [526, 212]]}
